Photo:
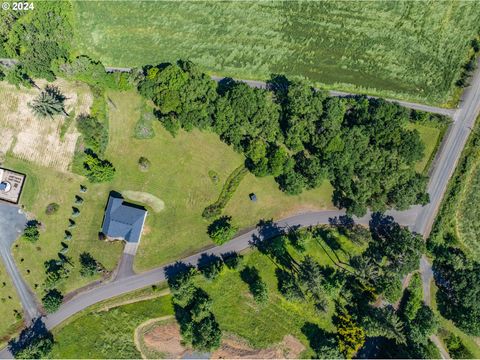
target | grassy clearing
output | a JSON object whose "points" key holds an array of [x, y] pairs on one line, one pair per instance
{"points": [[179, 175], [9, 305], [44, 186], [267, 324], [107, 334], [402, 49], [468, 213], [431, 137]]}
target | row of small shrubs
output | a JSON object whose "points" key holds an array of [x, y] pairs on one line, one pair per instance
{"points": [[231, 184]]}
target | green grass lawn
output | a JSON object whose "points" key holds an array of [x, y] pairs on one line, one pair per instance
{"points": [[108, 334], [431, 138], [44, 186], [266, 324], [406, 49], [9, 303], [468, 212], [178, 175]]}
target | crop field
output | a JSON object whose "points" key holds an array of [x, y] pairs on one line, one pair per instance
{"points": [[9, 306], [468, 214], [404, 49], [39, 140]]}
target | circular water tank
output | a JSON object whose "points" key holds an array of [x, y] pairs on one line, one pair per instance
{"points": [[5, 186]]}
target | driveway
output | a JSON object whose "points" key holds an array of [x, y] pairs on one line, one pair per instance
{"points": [[12, 223]]}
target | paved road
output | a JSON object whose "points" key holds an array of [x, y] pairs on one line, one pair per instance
{"points": [[12, 223], [417, 218], [449, 154]]}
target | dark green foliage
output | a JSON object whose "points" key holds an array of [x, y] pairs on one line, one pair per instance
{"points": [[52, 300], [50, 102], [18, 76], [456, 348], [257, 286], [94, 132], [31, 232], [458, 281], [412, 298], [41, 37], [98, 170], [232, 260], [385, 322], [211, 267], [231, 184], [184, 95], [311, 280], [34, 342], [291, 182], [221, 230], [192, 305], [287, 285], [88, 265], [423, 325], [55, 270], [52, 208]]}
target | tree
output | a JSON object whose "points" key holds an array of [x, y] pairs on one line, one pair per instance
{"points": [[34, 342], [288, 286], [18, 76], [291, 182], [221, 230], [425, 324], [182, 287], [50, 102], [311, 281], [257, 287], [98, 170], [206, 334], [212, 267], [88, 265], [94, 133], [351, 337], [31, 232], [52, 300]]}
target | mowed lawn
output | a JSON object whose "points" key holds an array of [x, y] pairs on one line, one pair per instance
{"points": [[178, 175], [431, 138], [9, 303], [42, 187], [405, 49]]}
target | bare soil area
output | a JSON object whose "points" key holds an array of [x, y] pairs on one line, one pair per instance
{"points": [[38, 140], [164, 338]]}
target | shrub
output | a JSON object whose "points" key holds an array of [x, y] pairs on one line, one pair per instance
{"points": [[98, 170], [229, 188], [257, 287], [143, 164], [52, 208], [52, 300], [232, 260], [31, 232], [212, 268], [221, 230], [88, 265], [95, 134]]}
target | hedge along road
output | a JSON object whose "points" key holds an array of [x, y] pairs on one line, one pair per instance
{"points": [[419, 219]]}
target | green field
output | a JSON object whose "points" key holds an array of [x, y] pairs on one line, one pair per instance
{"points": [[106, 330], [267, 324], [431, 138], [468, 213], [108, 334], [403, 49], [44, 186], [9, 303], [179, 177]]}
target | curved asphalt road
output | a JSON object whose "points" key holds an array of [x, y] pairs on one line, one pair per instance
{"points": [[419, 219]]}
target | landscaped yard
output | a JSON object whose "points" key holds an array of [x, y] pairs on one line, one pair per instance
{"points": [[407, 49], [10, 307]]}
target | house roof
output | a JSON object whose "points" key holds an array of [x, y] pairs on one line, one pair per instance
{"points": [[123, 220]]}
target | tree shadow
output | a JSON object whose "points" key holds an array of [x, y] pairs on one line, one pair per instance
{"points": [[225, 85], [317, 337], [172, 271], [36, 333]]}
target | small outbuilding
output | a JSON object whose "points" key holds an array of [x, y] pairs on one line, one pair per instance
{"points": [[11, 185], [253, 197]]}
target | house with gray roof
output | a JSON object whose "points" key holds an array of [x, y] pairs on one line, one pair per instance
{"points": [[123, 221]]}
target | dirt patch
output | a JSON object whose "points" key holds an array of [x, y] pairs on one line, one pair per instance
{"points": [[164, 338], [146, 198], [38, 140]]}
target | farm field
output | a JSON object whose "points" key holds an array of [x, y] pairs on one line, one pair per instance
{"points": [[9, 306], [400, 49]]}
